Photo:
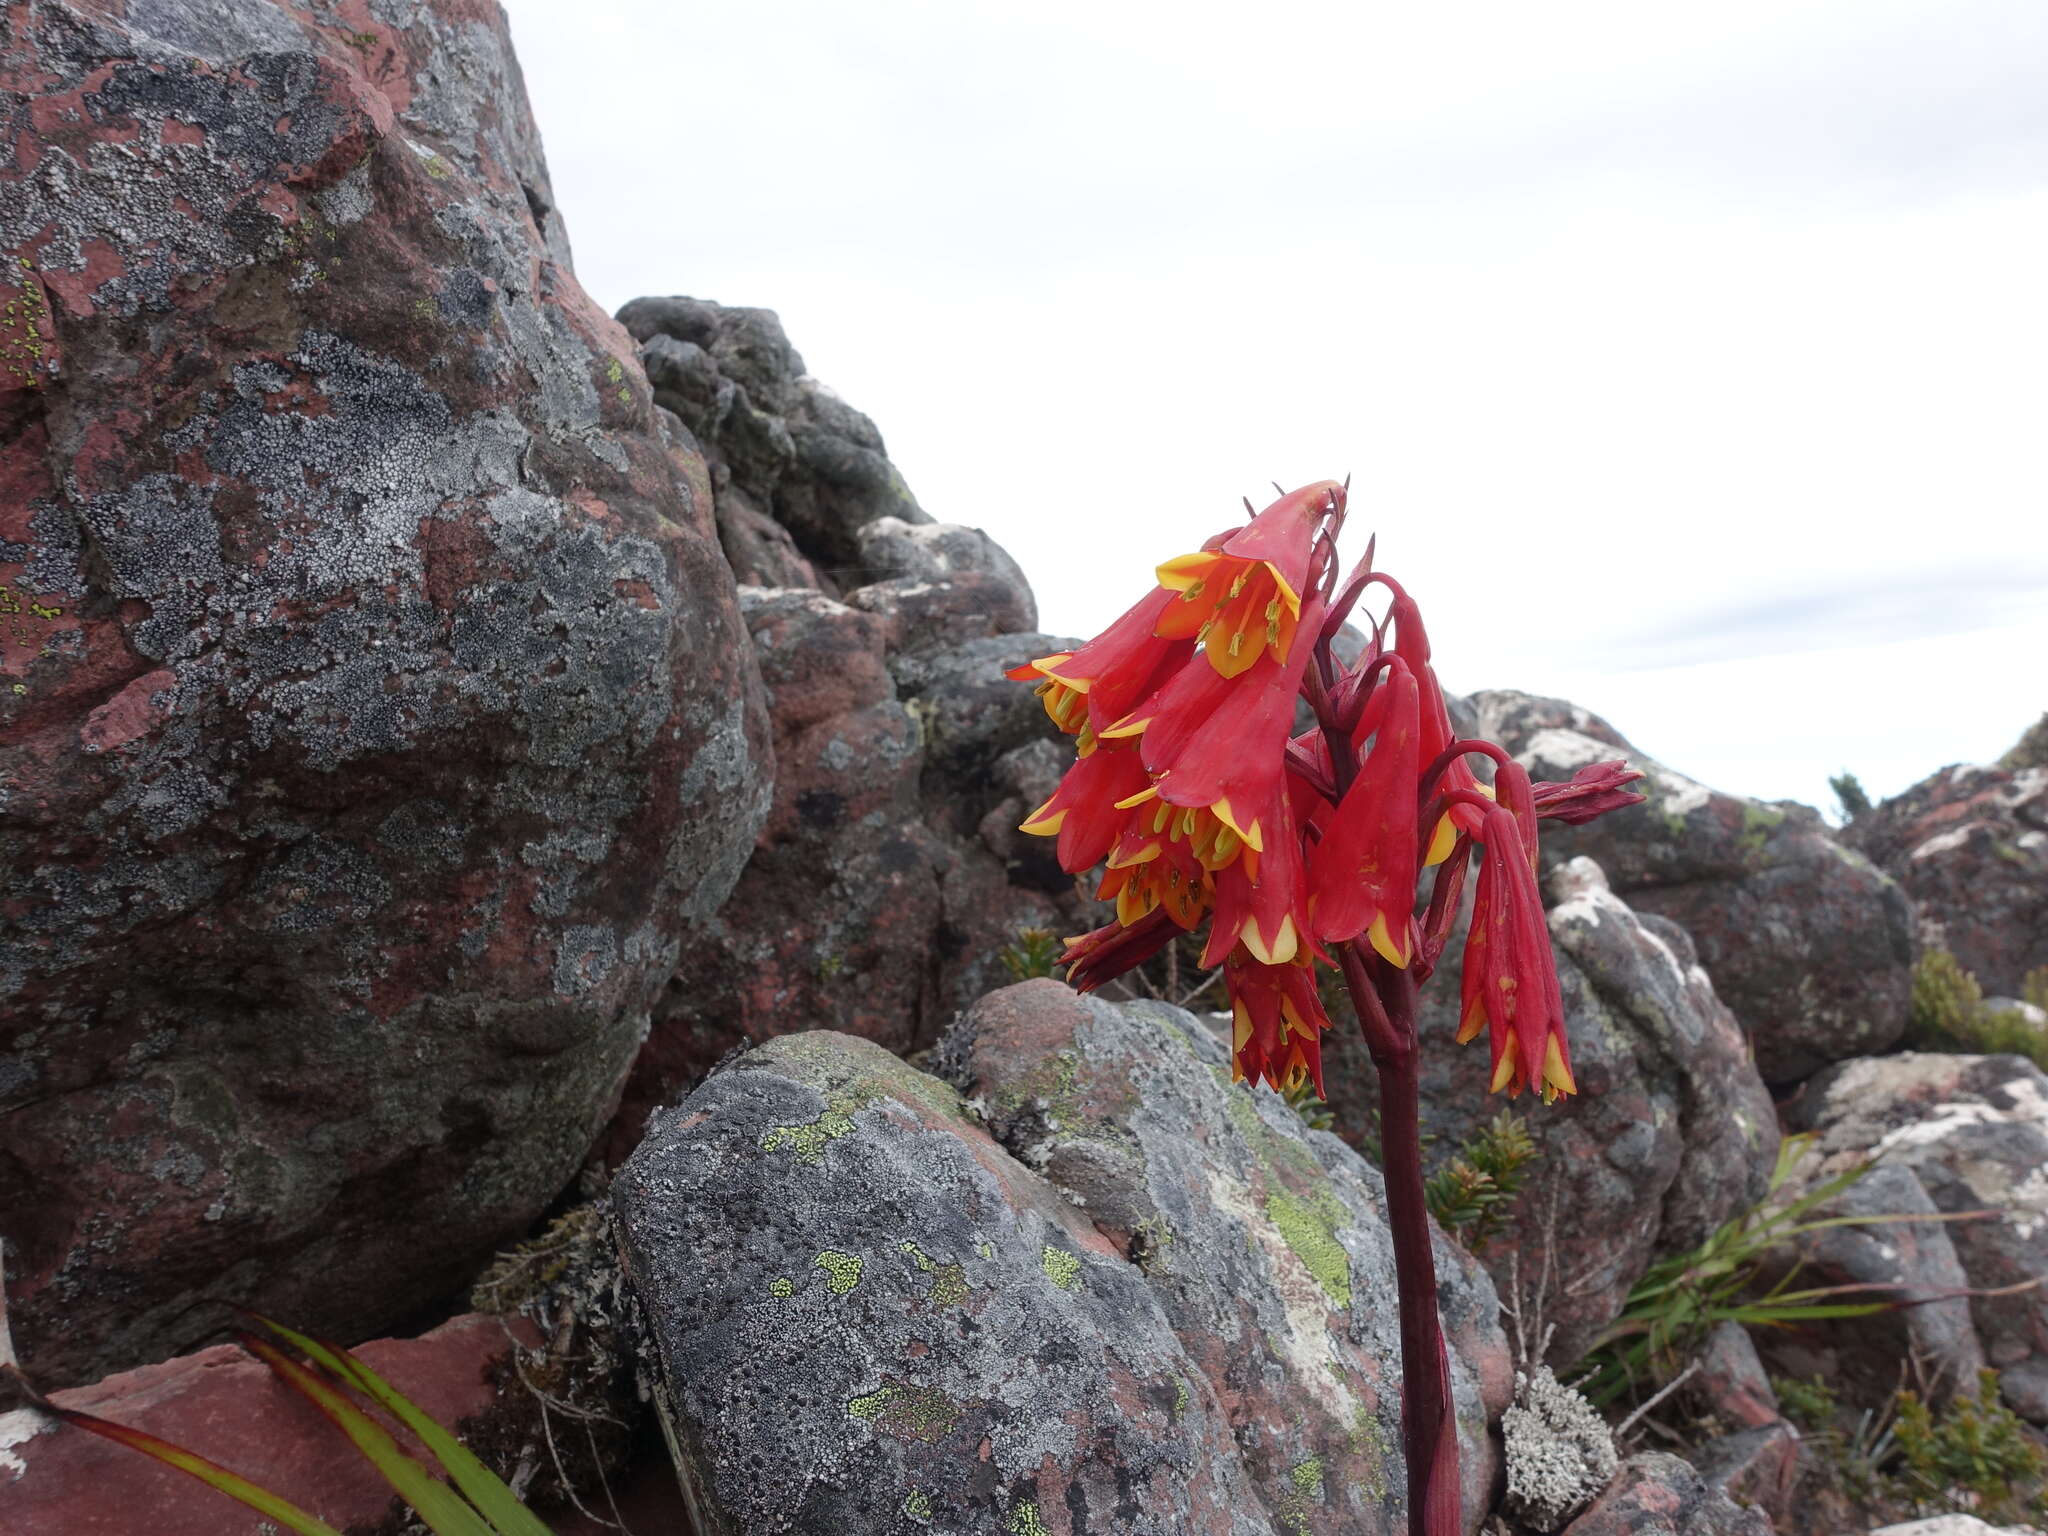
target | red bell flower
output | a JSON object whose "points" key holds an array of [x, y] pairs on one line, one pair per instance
{"points": [[1509, 987], [1593, 791], [1242, 599], [1277, 1021], [1363, 872], [1083, 811]]}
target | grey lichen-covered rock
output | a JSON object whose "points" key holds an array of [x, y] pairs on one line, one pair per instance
{"points": [[1973, 1132], [1560, 1452], [1265, 1243], [376, 719], [1808, 942], [891, 549], [1671, 1133], [871, 1316], [782, 447]]}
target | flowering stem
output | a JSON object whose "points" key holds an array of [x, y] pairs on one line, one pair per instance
{"points": [[1386, 1014]]}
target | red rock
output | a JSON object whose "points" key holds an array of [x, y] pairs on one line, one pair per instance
{"points": [[56, 1480], [377, 721]]}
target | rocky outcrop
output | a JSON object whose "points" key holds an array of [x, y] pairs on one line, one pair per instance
{"points": [[1807, 941], [1658, 1494], [1970, 846], [1136, 1298], [1972, 1133], [1671, 1133], [378, 720], [889, 878]]}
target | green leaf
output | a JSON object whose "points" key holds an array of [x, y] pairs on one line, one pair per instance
{"points": [[211, 1473], [486, 1490], [432, 1500]]}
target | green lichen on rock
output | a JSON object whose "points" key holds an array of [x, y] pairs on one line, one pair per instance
{"points": [[1024, 1521], [917, 1504], [1307, 1478], [842, 1270], [783, 1286], [949, 1281], [910, 1413], [1180, 1397], [1368, 1441], [1758, 822], [1308, 1225], [809, 1141], [1305, 1487], [1061, 1268]]}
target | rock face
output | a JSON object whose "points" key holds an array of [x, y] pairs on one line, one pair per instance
{"points": [[1973, 1132], [1151, 1303], [1657, 1494], [1808, 942], [56, 1480], [1970, 846], [378, 717], [1671, 1133], [890, 877]]}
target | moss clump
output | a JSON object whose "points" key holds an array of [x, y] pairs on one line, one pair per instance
{"points": [[1309, 1226], [842, 1270], [1061, 1268]]}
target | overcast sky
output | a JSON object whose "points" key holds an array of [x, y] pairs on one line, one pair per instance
{"points": [[1691, 362]]}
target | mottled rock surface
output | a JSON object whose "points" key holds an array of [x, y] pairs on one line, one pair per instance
{"points": [[1973, 1131], [1150, 1302], [378, 720], [1807, 941], [1658, 1494], [1671, 1133], [1970, 846], [59, 1481], [872, 903]]}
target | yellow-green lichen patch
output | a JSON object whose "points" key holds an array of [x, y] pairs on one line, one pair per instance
{"points": [[1368, 1442], [1309, 1226], [949, 1281], [1024, 1521], [842, 1270], [1061, 1268], [1056, 1090], [783, 1286], [910, 1413], [1305, 1487], [1180, 1397], [917, 1504], [1307, 1478], [809, 1141]]}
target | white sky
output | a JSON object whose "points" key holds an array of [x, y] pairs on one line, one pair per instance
{"points": [[1691, 362]]}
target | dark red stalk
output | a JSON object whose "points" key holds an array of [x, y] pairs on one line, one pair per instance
{"points": [[1383, 996]]}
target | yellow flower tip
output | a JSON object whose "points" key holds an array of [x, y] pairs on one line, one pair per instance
{"points": [[1039, 824], [1241, 1026], [1280, 950], [1383, 941], [1147, 793], [1473, 1022], [1441, 842], [1504, 1069], [1183, 571], [1125, 727], [1557, 1077], [1288, 595]]}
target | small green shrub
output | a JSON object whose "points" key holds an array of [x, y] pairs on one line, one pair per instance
{"points": [[1949, 1013], [1974, 1456], [1947, 1002], [1471, 1195], [1849, 792], [1036, 953], [1807, 1401]]}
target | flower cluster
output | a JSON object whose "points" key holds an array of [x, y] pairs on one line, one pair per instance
{"points": [[1191, 788]]}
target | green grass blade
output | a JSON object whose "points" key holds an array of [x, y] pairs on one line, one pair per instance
{"points": [[211, 1473], [432, 1500], [485, 1489]]}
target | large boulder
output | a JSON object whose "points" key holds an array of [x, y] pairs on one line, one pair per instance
{"points": [[1808, 942], [378, 722], [1970, 846], [1972, 1131], [1151, 1302], [1671, 1132]]}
